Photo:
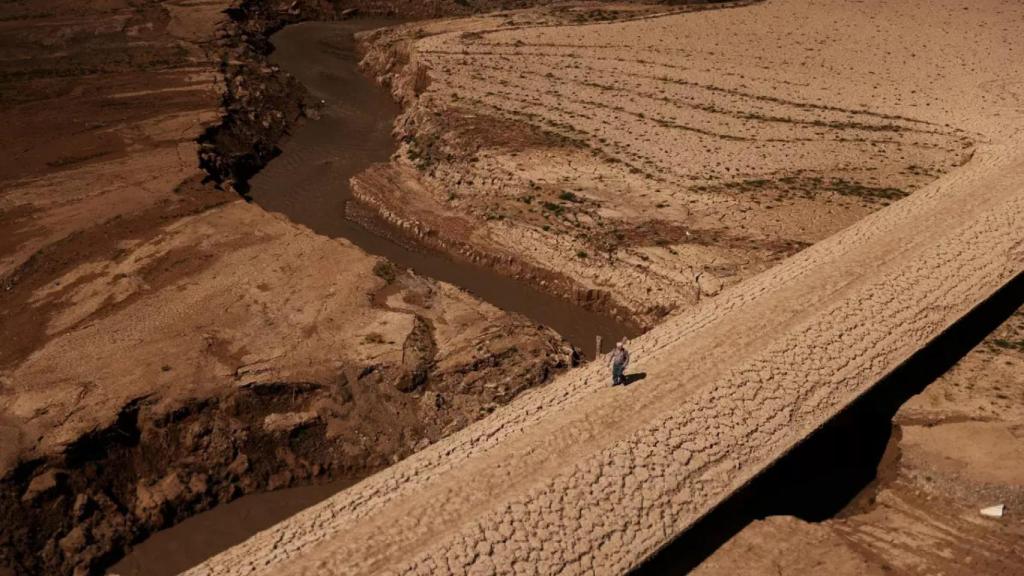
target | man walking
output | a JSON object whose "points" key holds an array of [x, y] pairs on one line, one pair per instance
{"points": [[619, 360]]}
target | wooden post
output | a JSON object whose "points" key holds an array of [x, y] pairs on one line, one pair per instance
{"points": [[598, 354]]}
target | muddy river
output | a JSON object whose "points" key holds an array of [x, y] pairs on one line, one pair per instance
{"points": [[308, 183]]}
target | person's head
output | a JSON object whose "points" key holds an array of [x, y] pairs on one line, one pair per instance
{"points": [[621, 343]]}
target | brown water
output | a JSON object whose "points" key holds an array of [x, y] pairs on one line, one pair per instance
{"points": [[308, 183], [202, 536]]}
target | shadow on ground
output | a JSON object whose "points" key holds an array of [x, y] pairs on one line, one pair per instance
{"points": [[628, 379], [823, 474]]}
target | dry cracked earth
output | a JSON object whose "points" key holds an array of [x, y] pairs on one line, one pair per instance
{"points": [[794, 196]]}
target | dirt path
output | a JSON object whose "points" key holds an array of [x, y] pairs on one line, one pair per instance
{"points": [[578, 476]]}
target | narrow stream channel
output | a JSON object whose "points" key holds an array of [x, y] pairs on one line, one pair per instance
{"points": [[308, 183]]}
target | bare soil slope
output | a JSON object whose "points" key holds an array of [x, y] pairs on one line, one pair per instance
{"points": [[956, 448]]}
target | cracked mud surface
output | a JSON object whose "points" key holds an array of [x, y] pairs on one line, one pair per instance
{"points": [[604, 477], [167, 347], [613, 473]]}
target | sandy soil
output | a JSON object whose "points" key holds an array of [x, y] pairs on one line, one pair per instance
{"points": [[605, 476], [651, 162], [166, 346]]}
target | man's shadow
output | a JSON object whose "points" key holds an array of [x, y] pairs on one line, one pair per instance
{"points": [[628, 379]]}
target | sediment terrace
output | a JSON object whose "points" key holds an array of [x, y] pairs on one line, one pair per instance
{"points": [[644, 159], [580, 476]]}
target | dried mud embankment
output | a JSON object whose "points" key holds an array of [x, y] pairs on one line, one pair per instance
{"points": [[605, 477], [391, 199], [621, 174]]}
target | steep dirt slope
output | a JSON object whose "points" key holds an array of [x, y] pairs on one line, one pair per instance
{"points": [[603, 477]]}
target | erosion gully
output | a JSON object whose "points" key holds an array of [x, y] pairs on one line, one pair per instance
{"points": [[309, 183]]}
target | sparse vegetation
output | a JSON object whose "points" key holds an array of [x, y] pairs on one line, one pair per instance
{"points": [[1009, 344]]}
